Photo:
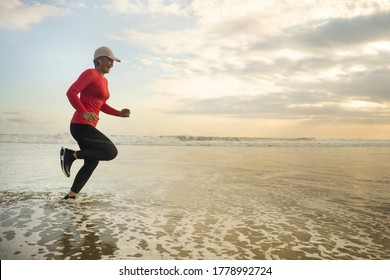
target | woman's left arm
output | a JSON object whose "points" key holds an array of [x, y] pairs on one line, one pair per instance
{"points": [[124, 113]]}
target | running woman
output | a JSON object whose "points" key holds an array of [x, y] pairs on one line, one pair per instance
{"points": [[94, 145]]}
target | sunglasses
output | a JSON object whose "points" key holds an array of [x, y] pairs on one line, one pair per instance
{"points": [[108, 59]]}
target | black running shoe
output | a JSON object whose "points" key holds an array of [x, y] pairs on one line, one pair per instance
{"points": [[66, 197], [66, 158]]}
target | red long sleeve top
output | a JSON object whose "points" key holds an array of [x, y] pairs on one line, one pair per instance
{"points": [[93, 89]]}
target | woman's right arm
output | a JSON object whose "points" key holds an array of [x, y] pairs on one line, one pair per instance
{"points": [[81, 83]]}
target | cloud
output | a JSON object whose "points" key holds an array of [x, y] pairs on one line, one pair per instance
{"points": [[15, 14], [341, 32], [145, 7], [26, 122], [175, 42], [18, 117], [277, 59], [274, 106]]}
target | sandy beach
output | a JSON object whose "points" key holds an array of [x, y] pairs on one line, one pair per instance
{"points": [[198, 202]]}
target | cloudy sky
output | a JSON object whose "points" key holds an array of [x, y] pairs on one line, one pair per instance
{"points": [[254, 68]]}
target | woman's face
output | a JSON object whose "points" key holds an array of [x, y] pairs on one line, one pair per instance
{"points": [[106, 64]]}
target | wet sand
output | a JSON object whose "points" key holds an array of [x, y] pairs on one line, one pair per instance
{"points": [[156, 202]]}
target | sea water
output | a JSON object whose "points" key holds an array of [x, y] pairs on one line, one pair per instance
{"points": [[198, 198]]}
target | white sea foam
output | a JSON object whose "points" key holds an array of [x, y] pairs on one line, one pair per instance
{"points": [[198, 202], [183, 140]]}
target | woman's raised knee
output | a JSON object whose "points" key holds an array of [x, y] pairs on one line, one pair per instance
{"points": [[112, 153]]}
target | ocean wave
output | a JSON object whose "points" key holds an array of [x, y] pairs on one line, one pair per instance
{"points": [[188, 140]]}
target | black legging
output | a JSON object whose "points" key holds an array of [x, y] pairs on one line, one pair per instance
{"points": [[94, 146]]}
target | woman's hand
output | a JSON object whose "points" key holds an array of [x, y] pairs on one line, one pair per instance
{"points": [[125, 113], [90, 116]]}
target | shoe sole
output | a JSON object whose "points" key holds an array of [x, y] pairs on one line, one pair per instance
{"points": [[62, 159]]}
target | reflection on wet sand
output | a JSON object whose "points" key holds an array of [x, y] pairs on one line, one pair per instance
{"points": [[44, 227], [202, 203], [56, 230], [83, 239]]}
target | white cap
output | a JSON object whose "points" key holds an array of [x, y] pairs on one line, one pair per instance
{"points": [[105, 51]]}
